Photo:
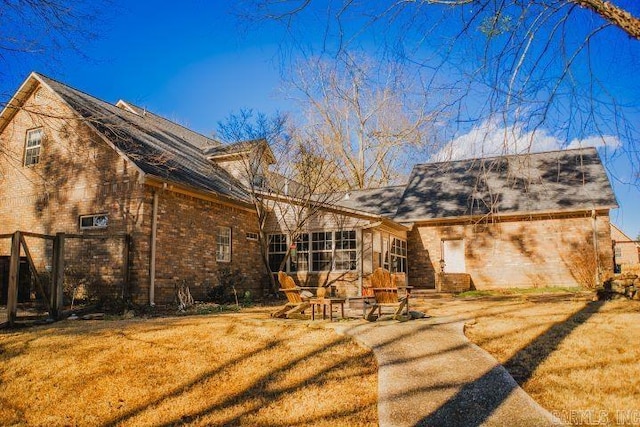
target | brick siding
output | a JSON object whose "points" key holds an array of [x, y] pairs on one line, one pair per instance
{"points": [[521, 252], [80, 174]]}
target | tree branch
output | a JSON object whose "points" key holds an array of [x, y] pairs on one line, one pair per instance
{"points": [[614, 14]]}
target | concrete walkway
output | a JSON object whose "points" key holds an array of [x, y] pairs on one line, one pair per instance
{"points": [[431, 375]]}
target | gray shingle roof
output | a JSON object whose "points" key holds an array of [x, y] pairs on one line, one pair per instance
{"points": [[557, 181], [157, 146], [201, 141], [378, 201]]}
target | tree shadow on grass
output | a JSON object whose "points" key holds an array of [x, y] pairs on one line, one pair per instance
{"points": [[259, 391], [476, 401]]}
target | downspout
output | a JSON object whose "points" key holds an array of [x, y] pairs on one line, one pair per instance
{"points": [[152, 267], [595, 246], [361, 266]]}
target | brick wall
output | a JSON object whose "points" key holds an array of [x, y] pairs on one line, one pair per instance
{"points": [[186, 245], [78, 174], [522, 252]]}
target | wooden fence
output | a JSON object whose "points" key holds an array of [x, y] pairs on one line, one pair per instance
{"points": [[53, 291]]}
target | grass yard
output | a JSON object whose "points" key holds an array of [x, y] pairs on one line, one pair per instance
{"points": [[578, 358], [226, 369]]}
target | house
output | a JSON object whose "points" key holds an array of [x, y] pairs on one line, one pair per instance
{"points": [[72, 163], [539, 219], [512, 221], [626, 251]]}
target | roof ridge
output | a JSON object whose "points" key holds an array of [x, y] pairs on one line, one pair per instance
{"points": [[45, 77], [503, 156], [120, 110], [40, 75], [379, 188]]}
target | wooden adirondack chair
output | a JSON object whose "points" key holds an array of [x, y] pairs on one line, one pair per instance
{"points": [[386, 294], [296, 304]]}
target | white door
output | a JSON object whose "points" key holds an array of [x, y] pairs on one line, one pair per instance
{"points": [[453, 255]]}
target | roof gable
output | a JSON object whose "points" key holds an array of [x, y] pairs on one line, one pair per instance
{"points": [[158, 147], [238, 149], [557, 181]]}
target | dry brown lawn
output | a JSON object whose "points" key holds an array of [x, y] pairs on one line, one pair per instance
{"points": [[225, 369], [578, 358]]}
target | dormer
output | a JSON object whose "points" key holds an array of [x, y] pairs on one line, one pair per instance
{"points": [[245, 160]]}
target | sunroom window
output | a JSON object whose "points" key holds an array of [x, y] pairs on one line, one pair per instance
{"points": [[398, 256], [322, 246], [345, 250], [300, 258], [277, 250], [316, 251]]}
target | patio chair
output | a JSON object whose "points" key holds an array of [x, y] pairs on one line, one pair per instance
{"points": [[297, 302], [386, 295]]}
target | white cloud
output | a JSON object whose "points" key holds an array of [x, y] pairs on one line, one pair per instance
{"points": [[490, 138]]}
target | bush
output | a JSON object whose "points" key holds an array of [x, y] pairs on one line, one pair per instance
{"points": [[225, 291], [583, 266]]}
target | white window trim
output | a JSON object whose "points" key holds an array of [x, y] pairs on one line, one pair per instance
{"points": [[311, 251], [402, 245], [219, 243], [37, 147], [269, 252]]}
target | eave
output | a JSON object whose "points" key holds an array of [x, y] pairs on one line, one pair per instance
{"points": [[509, 216], [328, 207], [211, 196]]}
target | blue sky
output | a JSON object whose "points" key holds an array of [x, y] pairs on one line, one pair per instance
{"points": [[192, 63]]}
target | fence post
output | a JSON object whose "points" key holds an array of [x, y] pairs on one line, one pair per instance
{"points": [[58, 276], [14, 274]]}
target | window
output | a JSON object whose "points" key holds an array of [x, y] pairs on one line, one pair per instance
{"points": [[223, 244], [32, 147], [300, 258], [252, 236], [315, 251], [345, 250], [277, 250], [321, 245], [385, 253], [618, 252], [94, 221], [398, 256]]}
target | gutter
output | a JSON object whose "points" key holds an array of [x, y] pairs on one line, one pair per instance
{"points": [[209, 195], [505, 216]]}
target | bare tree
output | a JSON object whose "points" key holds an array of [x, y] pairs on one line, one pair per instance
{"points": [[364, 117], [538, 65], [286, 197], [42, 32]]}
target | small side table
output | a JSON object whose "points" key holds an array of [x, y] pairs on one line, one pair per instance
{"points": [[326, 302]]}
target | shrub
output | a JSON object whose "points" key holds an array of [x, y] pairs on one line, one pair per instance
{"points": [[582, 264], [225, 291]]}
